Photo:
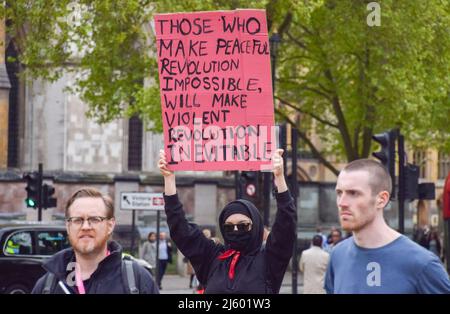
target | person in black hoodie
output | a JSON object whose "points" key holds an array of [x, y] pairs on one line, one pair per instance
{"points": [[242, 265], [92, 265]]}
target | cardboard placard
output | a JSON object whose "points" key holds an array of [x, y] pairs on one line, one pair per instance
{"points": [[216, 90]]}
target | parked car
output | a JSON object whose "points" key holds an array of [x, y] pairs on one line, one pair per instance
{"points": [[24, 248]]}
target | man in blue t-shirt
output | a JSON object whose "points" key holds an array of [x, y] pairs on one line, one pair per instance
{"points": [[376, 259]]}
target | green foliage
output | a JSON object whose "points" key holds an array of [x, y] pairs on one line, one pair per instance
{"points": [[115, 59], [40, 34], [395, 75], [104, 42]]}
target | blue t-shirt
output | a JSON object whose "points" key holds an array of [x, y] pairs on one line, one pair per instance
{"points": [[401, 266]]}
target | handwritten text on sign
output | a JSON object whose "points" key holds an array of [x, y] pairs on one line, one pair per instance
{"points": [[216, 90]]}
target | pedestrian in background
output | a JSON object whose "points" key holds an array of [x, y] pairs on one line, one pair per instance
{"points": [[435, 243], [324, 237], [148, 251], [334, 238], [422, 235], [165, 256], [313, 264]]}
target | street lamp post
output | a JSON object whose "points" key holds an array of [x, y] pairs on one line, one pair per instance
{"points": [[274, 42]]}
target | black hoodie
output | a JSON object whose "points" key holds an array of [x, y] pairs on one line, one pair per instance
{"points": [[106, 279], [259, 269]]}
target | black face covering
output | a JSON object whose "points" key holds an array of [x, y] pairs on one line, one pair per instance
{"points": [[245, 242], [238, 240]]}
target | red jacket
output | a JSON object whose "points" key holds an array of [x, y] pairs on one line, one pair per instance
{"points": [[446, 200]]}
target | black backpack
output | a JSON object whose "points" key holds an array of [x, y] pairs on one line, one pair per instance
{"points": [[128, 278]]}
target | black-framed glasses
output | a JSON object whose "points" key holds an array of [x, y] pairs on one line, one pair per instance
{"points": [[92, 221], [243, 226]]}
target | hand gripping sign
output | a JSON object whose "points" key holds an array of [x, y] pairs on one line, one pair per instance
{"points": [[216, 90]]}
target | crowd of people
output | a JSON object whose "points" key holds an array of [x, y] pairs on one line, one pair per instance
{"points": [[252, 258]]}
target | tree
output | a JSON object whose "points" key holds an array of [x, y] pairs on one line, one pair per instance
{"points": [[104, 41], [348, 80], [336, 75]]}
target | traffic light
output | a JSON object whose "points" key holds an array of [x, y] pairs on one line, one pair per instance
{"points": [[33, 189], [411, 182], [427, 191], [249, 185], [48, 201], [387, 153]]}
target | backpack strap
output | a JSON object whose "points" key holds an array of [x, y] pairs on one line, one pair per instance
{"points": [[128, 276], [49, 281]]}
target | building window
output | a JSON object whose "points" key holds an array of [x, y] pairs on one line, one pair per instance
{"points": [[420, 159], [135, 130], [443, 165]]}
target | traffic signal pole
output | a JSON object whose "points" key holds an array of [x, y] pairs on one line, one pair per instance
{"points": [[133, 229], [283, 145], [267, 177], [387, 153], [408, 174], [40, 196], [446, 214], [158, 218], [401, 183], [237, 185], [294, 191]]}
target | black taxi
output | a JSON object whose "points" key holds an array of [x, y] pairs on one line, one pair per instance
{"points": [[23, 249]]}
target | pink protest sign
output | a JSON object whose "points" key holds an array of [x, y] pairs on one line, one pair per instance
{"points": [[216, 90]]}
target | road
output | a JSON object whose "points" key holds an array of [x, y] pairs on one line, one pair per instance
{"points": [[176, 284]]}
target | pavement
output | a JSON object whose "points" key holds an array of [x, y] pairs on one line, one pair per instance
{"points": [[176, 284]]}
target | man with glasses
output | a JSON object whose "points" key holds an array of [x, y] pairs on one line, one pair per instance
{"points": [[243, 264], [93, 265]]}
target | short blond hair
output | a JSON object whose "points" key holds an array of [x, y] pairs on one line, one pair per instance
{"points": [[91, 192]]}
